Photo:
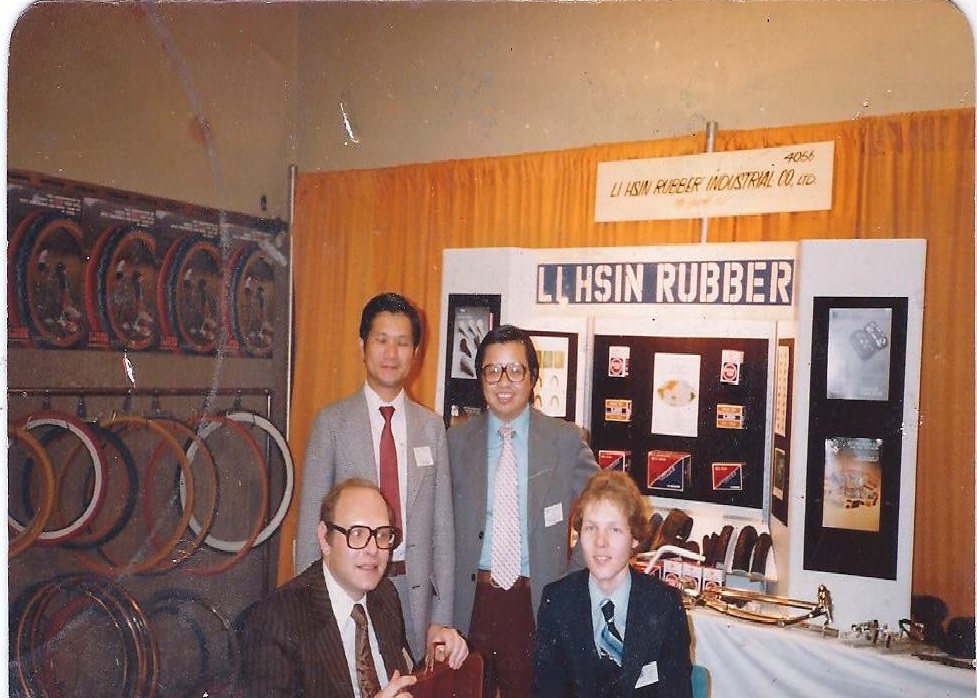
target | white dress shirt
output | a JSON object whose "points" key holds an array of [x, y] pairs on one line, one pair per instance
{"points": [[398, 424], [342, 607]]}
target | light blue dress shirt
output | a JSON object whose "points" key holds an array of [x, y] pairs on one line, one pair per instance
{"points": [[520, 442], [620, 598]]}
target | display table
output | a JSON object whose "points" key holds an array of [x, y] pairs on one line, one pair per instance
{"points": [[751, 659]]}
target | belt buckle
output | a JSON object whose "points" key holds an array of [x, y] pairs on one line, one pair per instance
{"points": [[494, 584]]}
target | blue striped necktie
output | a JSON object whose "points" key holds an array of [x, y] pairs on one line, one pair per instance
{"points": [[611, 642]]}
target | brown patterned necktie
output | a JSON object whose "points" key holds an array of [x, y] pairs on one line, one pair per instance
{"points": [[389, 479], [366, 671]]}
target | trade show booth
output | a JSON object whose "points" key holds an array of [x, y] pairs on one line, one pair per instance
{"points": [[771, 387]]}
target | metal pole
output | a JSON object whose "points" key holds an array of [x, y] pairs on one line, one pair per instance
{"points": [[711, 127], [292, 175]]}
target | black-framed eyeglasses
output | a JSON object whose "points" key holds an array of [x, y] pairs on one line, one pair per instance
{"points": [[358, 537], [514, 370]]}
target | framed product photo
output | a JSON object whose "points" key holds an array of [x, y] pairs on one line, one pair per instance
{"points": [[783, 398], [470, 317], [854, 449], [555, 391]]}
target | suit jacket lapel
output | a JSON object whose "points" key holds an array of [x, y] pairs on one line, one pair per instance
{"points": [[542, 457], [360, 436], [326, 634], [637, 645], [582, 629], [475, 474], [383, 613], [416, 437]]}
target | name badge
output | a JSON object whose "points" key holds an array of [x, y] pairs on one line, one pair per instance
{"points": [[553, 514], [648, 675], [422, 456]]}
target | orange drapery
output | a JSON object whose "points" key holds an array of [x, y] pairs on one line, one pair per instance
{"points": [[357, 233]]}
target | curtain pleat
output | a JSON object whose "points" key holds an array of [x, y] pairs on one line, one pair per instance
{"points": [[361, 232]]}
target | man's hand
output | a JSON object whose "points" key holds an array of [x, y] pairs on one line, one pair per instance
{"points": [[446, 644], [397, 685]]}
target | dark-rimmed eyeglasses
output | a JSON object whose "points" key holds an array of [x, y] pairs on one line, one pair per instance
{"points": [[358, 537], [492, 373]]}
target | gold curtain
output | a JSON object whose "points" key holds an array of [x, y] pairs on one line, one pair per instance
{"points": [[358, 233]]}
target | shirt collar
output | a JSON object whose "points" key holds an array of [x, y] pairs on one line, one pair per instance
{"points": [[619, 596], [374, 401], [342, 603], [520, 425]]}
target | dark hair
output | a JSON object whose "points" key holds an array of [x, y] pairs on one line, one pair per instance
{"points": [[618, 488], [327, 510], [509, 333], [390, 303]]}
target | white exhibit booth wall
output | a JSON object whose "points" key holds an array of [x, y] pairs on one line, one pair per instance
{"points": [[829, 271], [652, 292]]}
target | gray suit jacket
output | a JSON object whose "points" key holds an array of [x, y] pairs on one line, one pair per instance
{"points": [[292, 646], [560, 464], [341, 446]]}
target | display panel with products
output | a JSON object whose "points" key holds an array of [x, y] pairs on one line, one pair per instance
{"points": [[691, 411]]}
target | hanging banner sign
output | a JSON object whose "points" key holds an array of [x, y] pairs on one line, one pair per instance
{"points": [[728, 183], [768, 282]]}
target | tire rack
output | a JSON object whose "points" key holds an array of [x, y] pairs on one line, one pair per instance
{"points": [[234, 589]]}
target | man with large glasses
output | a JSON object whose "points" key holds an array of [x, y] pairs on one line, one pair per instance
{"points": [[337, 630], [515, 473]]}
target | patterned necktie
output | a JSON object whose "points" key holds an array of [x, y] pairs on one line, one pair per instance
{"points": [[366, 671], [389, 480], [506, 532], [611, 642]]}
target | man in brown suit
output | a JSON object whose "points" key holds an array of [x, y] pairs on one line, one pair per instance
{"points": [[303, 639]]}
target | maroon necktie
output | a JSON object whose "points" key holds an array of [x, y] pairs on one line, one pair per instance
{"points": [[389, 480], [366, 670]]}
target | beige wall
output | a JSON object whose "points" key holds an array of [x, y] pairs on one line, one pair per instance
{"points": [[117, 95], [436, 81], [114, 95]]}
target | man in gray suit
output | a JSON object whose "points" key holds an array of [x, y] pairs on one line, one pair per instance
{"points": [[347, 441], [551, 464]]}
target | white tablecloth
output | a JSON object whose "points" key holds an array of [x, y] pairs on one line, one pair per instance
{"points": [[752, 660]]}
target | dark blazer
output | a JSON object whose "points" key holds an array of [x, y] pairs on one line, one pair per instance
{"points": [[560, 464], [292, 646], [567, 663]]}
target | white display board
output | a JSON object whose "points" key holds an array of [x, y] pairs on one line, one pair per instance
{"points": [[735, 290]]}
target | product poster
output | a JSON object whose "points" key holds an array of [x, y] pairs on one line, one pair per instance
{"points": [[727, 476], [471, 324], [618, 361], [675, 402], [470, 317], [858, 353], [614, 460], [779, 484], [781, 378], [729, 416], [732, 362], [852, 483], [617, 410], [669, 470], [550, 392]]}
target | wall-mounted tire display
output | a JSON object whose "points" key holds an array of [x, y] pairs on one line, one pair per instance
{"points": [[190, 284], [49, 280], [123, 277], [250, 301]]}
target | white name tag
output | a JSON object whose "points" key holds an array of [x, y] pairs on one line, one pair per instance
{"points": [[648, 675], [553, 514], [422, 456]]}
